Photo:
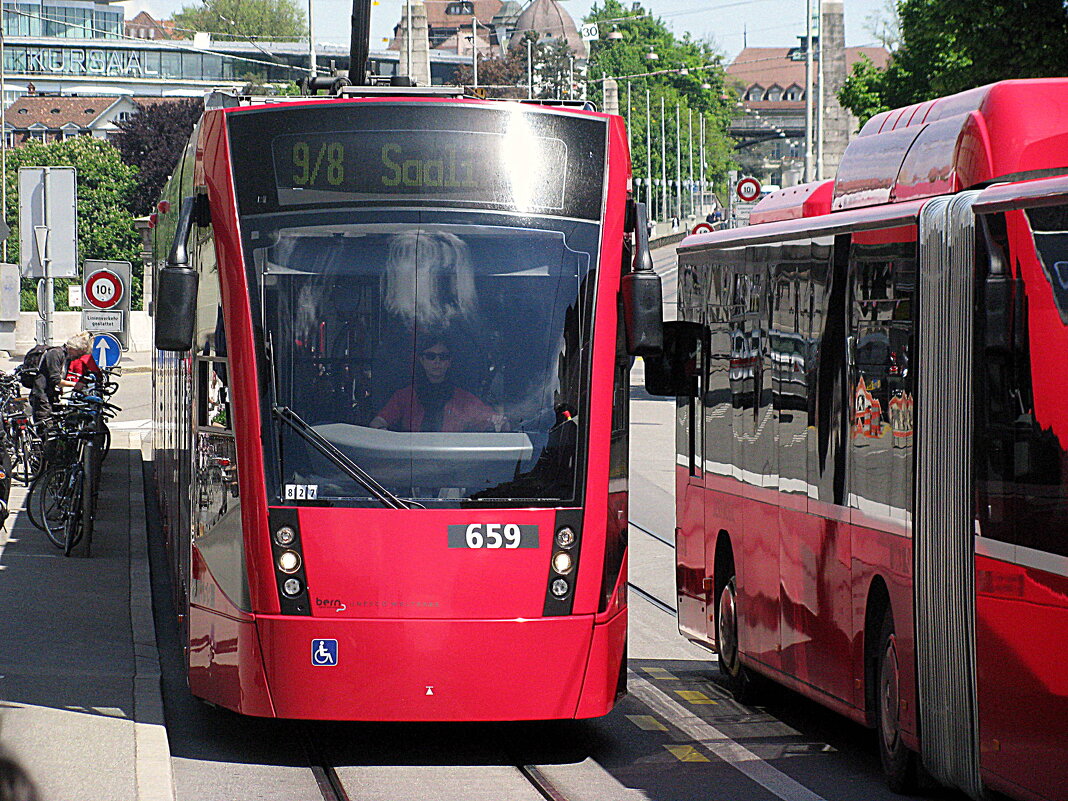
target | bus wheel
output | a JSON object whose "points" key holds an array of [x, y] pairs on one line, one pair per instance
{"points": [[899, 763], [739, 680]]}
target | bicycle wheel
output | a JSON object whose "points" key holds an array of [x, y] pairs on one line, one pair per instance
{"points": [[44, 503], [19, 457], [91, 472], [32, 456], [72, 508]]}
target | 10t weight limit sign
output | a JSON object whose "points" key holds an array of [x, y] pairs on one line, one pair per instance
{"points": [[103, 289]]}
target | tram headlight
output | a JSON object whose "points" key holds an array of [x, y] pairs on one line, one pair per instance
{"points": [[291, 587], [289, 561], [565, 537], [560, 588], [562, 562], [285, 536]]}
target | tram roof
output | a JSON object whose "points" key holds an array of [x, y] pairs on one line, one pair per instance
{"points": [[1006, 131]]}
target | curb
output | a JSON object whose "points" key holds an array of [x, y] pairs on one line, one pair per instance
{"points": [[154, 778]]}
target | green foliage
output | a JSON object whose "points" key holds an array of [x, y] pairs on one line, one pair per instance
{"points": [[245, 19], [105, 186], [701, 89], [948, 46], [152, 140]]}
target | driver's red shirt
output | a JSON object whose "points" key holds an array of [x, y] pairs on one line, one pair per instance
{"points": [[463, 412]]}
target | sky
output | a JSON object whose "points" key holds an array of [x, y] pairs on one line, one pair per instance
{"points": [[729, 24]]}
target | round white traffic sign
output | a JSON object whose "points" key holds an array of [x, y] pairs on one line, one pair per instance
{"points": [[702, 228], [103, 289], [748, 189]]}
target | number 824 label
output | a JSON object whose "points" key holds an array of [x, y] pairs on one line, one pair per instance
{"points": [[493, 535]]}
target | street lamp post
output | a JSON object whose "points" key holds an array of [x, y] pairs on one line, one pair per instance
{"points": [[678, 160], [808, 90], [649, 156], [663, 161], [689, 142], [311, 43], [701, 160]]}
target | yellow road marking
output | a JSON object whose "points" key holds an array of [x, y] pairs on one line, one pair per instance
{"points": [[647, 723], [694, 696], [660, 673], [686, 753]]}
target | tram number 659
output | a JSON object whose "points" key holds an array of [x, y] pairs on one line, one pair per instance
{"points": [[493, 536]]}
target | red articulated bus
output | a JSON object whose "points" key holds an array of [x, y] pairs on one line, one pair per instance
{"points": [[391, 386], [874, 512]]}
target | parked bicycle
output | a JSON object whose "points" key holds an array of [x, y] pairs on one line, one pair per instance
{"points": [[20, 435], [68, 492]]}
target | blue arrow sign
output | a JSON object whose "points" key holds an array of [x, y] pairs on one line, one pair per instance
{"points": [[106, 350]]}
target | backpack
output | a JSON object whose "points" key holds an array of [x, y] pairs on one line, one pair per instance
{"points": [[31, 365]]}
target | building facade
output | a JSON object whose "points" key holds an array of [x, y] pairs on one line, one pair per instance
{"points": [[770, 125]]}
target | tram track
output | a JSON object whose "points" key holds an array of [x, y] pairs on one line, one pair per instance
{"points": [[331, 783]]}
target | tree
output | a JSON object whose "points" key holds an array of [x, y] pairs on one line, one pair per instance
{"points": [[948, 46], [503, 76], [104, 186], [152, 141], [687, 74], [245, 19]]}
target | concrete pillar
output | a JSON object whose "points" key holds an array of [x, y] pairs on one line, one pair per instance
{"points": [[839, 124], [419, 68], [611, 96], [144, 227]]}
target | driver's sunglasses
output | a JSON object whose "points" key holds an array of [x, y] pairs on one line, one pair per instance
{"points": [[434, 356]]}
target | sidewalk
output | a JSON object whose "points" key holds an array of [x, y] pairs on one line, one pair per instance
{"points": [[80, 701]]}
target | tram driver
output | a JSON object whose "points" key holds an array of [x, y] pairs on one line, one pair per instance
{"points": [[433, 402]]}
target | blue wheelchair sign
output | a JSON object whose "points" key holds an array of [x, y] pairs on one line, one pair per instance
{"points": [[324, 653], [106, 350]]}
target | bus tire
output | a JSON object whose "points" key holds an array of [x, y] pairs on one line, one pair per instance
{"points": [[738, 679], [899, 763]]}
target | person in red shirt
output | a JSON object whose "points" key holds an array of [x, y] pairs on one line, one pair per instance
{"points": [[82, 368], [433, 403]]}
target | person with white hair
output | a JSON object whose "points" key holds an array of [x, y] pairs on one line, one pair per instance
{"points": [[63, 366], [81, 367]]}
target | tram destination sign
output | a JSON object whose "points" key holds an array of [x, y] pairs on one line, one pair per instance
{"points": [[461, 165], [418, 154]]}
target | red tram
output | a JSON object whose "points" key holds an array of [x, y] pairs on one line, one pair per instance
{"points": [[391, 387], [877, 516]]}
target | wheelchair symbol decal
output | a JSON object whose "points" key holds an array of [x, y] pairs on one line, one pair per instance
{"points": [[324, 653]]}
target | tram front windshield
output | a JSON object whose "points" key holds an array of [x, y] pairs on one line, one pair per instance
{"points": [[445, 359]]}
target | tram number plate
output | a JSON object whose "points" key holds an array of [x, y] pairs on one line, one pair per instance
{"points": [[493, 535]]}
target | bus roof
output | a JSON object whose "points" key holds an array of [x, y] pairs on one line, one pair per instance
{"points": [[939, 147]]}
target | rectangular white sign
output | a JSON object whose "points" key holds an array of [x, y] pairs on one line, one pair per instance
{"points": [[101, 321], [48, 200]]}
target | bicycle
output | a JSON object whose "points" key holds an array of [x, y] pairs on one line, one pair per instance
{"points": [[24, 445], [68, 503]]}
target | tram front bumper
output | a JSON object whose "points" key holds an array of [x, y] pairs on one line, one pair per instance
{"points": [[440, 670]]}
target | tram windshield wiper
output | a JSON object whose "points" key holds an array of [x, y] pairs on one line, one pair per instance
{"points": [[343, 462]]}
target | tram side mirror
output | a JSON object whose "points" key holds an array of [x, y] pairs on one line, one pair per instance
{"points": [[673, 372], [643, 309], [643, 313], [176, 289]]}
